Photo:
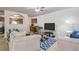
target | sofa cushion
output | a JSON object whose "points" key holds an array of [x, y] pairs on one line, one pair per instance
{"points": [[75, 34]]}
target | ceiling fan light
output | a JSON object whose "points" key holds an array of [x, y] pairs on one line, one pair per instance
{"points": [[37, 9]]}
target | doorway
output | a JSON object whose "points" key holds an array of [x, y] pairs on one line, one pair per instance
{"points": [[1, 25], [3, 42]]}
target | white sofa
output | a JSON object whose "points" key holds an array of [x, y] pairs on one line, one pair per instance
{"points": [[20, 42]]}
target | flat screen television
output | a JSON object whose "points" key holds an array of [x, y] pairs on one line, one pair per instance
{"points": [[49, 26]]}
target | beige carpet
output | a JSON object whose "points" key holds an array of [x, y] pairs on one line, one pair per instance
{"points": [[3, 43]]}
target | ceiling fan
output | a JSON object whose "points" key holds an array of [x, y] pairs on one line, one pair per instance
{"points": [[38, 9]]}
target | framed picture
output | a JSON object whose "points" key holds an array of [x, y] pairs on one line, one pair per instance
{"points": [[34, 20]]}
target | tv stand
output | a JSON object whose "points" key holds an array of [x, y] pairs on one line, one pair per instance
{"points": [[49, 34]]}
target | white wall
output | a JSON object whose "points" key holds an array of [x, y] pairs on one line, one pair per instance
{"points": [[24, 26], [71, 16]]}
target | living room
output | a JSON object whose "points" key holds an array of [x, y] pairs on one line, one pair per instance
{"points": [[64, 22]]}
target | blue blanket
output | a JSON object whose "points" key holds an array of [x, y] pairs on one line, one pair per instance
{"points": [[47, 43]]}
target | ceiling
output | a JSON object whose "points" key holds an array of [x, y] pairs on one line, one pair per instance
{"points": [[31, 11]]}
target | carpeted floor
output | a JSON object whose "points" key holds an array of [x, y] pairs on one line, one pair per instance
{"points": [[3, 43]]}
